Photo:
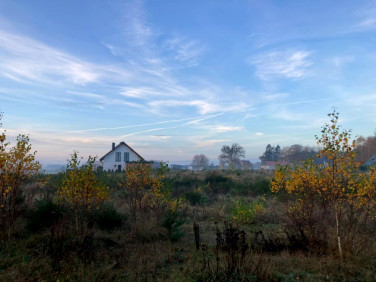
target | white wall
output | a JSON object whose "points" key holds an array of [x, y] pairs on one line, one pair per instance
{"points": [[109, 161]]}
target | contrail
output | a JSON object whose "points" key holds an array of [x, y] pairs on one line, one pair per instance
{"points": [[191, 120], [145, 124]]}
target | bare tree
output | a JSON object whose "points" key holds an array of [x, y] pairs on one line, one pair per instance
{"points": [[365, 149], [298, 153], [200, 162], [230, 156]]}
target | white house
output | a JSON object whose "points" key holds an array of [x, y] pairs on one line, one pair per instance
{"points": [[119, 156]]}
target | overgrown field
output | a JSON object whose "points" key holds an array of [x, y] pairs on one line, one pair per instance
{"points": [[228, 226], [311, 221]]}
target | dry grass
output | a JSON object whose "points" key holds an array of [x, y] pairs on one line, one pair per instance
{"points": [[142, 252]]}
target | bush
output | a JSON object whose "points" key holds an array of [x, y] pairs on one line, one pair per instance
{"points": [[251, 187], [218, 184], [215, 178], [244, 212], [172, 221], [186, 182], [46, 213], [261, 186], [195, 197], [107, 217]]}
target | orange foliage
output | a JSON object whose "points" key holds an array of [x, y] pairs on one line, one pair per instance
{"points": [[17, 166], [146, 190], [336, 185], [82, 191]]}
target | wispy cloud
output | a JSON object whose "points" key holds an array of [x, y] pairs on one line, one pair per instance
{"points": [[285, 114], [370, 22], [203, 107], [136, 27], [288, 64], [150, 92], [366, 16], [25, 59], [184, 50], [220, 128], [209, 142], [191, 120]]}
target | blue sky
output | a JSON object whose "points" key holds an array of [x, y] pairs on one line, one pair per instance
{"points": [[178, 78]]}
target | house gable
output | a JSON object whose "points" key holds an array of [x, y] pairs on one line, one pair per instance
{"points": [[119, 156]]}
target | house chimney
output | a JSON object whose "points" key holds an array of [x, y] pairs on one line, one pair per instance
{"points": [[113, 146]]}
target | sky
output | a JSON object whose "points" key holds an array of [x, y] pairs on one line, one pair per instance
{"points": [[178, 78]]}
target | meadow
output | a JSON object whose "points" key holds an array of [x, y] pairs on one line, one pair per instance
{"points": [[309, 220], [213, 235]]}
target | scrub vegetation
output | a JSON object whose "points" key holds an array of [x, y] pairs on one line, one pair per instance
{"points": [[310, 220]]}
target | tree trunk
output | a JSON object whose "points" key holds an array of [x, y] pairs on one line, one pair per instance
{"points": [[339, 237]]}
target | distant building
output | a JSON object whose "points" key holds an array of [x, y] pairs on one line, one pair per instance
{"points": [[119, 156], [371, 161], [271, 165], [256, 166], [244, 164], [180, 167]]}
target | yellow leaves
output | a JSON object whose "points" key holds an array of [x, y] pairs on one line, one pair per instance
{"points": [[335, 183], [80, 186], [244, 212], [147, 190], [17, 165]]}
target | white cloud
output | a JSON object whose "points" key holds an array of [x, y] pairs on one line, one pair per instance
{"points": [[222, 128], [203, 107], [282, 113], [289, 64], [275, 96], [85, 94], [185, 50], [259, 134], [136, 27], [150, 92], [218, 128], [25, 59]]}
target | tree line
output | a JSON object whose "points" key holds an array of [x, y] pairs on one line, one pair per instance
{"points": [[230, 156]]}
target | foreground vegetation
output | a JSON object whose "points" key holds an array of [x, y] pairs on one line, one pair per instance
{"points": [[312, 222]]}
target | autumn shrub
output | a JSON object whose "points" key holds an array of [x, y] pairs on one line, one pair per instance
{"points": [[333, 201], [17, 166], [81, 192], [245, 212], [147, 193]]}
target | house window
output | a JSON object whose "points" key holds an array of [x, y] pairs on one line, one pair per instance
{"points": [[126, 157], [118, 157]]}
